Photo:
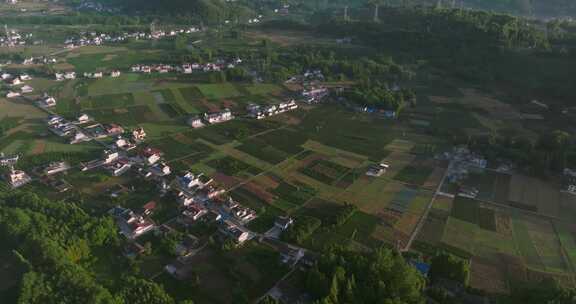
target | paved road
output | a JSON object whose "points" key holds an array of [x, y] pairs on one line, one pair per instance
{"points": [[275, 286], [424, 216]]}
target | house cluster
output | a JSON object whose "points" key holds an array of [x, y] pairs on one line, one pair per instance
{"points": [[138, 136], [463, 154], [569, 181], [116, 160], [260, 112], [46, 101], [211, 118], [158, 34], [70, 75], [38, 60], [314, 94], [49, 175], [377, 170], [17, 84], [186, 68], [240, 213], [195, 189], [96, 7], [307, 77], [54, 168], [17, 178], [95, 38], [81, 130], [134, 224], [60, 76], [462, 162], [98, 75], [234, 232], [7, 161], [13, 38], [199, 198]]}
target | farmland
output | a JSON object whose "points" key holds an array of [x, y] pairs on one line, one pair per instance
{"points": [[309, 163], [493, 234]]}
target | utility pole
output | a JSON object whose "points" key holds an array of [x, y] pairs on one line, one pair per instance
{"points": [[152, 27]]}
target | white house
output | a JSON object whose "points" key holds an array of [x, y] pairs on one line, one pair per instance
{"points": [[27, 89], [12, 94], [195, 122], [48, 101], [70, 75], [151, 155], [161, 169], [25, 77], [219, 117], [17, 178], [16, 81], [83, 118]]}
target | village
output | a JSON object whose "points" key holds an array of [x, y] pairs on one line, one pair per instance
{"points": [[248, 159], [197, 198]]}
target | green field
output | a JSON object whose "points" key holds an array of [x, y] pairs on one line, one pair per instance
{"points": [[218, 91]]}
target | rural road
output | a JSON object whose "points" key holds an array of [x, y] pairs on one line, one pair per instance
{"points": [[427, 211]]}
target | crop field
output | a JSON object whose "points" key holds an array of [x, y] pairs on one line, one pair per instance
{"points": [[519, 191], [348, 132], [219, 272], [507, 244], [92, 59], [488, 234], [489, 275], [414, 174], [344, 158], [307, 162], [324, 171], [534, 195], [568, 242], [397, 162], [400, 145], [218, 91], [433, 228], [274, 147]]}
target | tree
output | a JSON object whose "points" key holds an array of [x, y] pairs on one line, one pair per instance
{"points": [[376, 4], [181, 43], [548, 291], [140, 291], [268, 300], [450, 267], [381, 276]]}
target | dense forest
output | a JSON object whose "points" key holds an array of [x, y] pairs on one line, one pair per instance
{"points": [[533, 8], [207, 10], [55, 242]]}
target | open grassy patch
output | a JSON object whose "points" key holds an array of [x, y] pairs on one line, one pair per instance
{"points": [[274, 147], [218, 91], [263, 89], [524, 243], [233, 167], [295, 195], [324, 171], [412, 174], [108, 101]]}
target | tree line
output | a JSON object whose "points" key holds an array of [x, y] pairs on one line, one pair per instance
{"points": [[56, 243]]}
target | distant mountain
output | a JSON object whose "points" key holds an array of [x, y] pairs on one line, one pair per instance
{"points": [[210, 10], [538, 8]]}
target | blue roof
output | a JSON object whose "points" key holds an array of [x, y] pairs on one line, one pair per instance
{"points": [[423, 268]]}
